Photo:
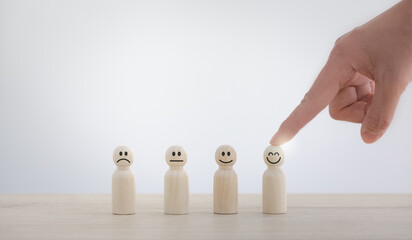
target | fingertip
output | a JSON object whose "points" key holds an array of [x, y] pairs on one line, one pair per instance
{"points": [[278, 139], [369, 136], [274, 140]]}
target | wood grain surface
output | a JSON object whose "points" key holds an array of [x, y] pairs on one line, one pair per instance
{"points": [[308, 217]]}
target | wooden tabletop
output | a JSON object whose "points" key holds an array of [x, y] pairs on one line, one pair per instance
{"points": [[308, 217]]}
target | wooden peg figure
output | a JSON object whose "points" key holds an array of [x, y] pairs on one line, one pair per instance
{"points": [[225, 193], [274, 198], [123, 182], [176, 185]]}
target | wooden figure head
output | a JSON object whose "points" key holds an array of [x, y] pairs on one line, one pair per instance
{"points": [[176, 156], [273, 156], [123, 156], [225, 155]]}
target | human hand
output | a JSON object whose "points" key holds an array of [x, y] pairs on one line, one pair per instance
{"points": [[367, 71]]}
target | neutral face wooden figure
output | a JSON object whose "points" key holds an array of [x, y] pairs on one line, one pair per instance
{"points": [[225, 187], [274, 198], [123, 182], [176, 182]]}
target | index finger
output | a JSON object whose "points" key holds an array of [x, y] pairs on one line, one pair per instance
{"points": [[323, 90]]}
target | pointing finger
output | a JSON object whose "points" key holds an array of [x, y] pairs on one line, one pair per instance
{"points": [[323, 90]]}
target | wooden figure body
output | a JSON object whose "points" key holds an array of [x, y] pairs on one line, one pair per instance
{"points": [[123, 182], [274, 198], [176, 182], [225, 189]]}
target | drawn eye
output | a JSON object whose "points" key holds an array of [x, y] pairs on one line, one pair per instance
{"points": [[270, 153], [179, 153], [228, 153], [173, 154], [120, 153], [125, 153], [276, 153], [223, 153]]}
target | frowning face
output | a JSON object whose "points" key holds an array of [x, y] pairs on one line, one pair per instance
{"points": [[273, 156], [123, 156], [225, 155], [176, 156]]}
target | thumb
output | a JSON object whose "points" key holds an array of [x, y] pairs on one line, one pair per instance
{"points": [[380, 114]]}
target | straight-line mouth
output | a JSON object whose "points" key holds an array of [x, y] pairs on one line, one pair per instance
{"points": [[225, 162], [174, 160], [123, 159]]}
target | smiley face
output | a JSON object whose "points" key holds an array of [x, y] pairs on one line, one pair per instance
{"points": [[273, 156], [123, 156], [225, 155], [176, 156]]}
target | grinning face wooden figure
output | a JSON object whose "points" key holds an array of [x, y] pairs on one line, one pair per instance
{"points": [[273, 156], [225, 155], [123, 156], [176, 156]]}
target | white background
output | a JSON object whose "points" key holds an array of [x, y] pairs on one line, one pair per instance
{"points": [[78, 78]]}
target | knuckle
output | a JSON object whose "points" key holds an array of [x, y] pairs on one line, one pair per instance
{"points": [[402, 86], [306, 98], [339, 49], [341, 46], [334, 114], [345, 43], [356, 32]]}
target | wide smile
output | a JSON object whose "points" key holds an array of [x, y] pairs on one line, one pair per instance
{"points": [[225, 162], [123, 159], [175, 160], [273, 162]]}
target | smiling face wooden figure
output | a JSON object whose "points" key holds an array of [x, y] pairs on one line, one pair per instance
{"points": [[225, 156], [273, 156], [225, 189], [274, 199]]}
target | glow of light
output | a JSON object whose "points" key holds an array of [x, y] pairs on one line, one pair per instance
{"points": [[288, 148]]}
